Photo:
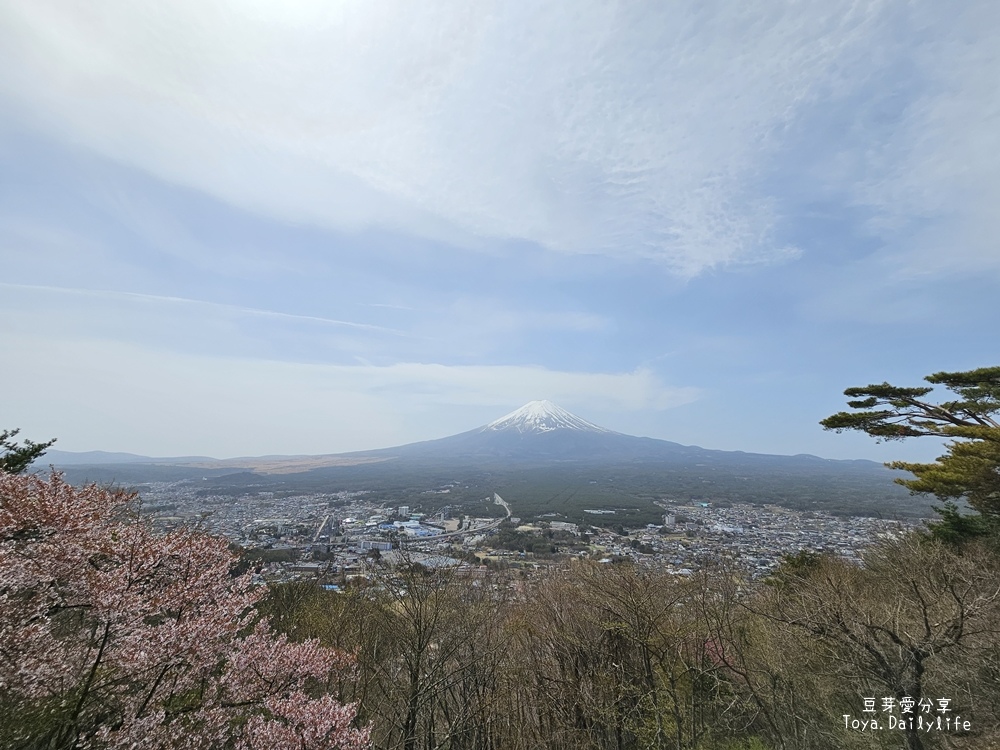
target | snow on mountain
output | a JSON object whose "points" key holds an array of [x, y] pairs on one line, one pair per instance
{"points": [[541, 416]]}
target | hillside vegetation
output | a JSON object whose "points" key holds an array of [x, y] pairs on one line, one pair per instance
{"points": [[614, 657]]}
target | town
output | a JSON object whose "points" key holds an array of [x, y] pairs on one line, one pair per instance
{"points": [[336, 537]]}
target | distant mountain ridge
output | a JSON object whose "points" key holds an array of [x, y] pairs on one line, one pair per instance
{"points": [[551, 460], [536, 433], [96, 458]]}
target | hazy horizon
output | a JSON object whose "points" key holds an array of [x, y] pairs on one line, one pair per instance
{"points": [[57, 451], [305, 228]]}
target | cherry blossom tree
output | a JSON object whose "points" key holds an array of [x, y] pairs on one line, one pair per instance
{"points": [[114, 636]]}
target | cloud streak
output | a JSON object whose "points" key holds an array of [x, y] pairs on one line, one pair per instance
{"points": [[215, 307]]}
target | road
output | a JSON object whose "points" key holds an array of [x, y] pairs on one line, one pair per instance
{"points": [[497, 500]]}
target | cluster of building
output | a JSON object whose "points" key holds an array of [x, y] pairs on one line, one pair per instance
{"points": [[756, 537], [332, 535]]}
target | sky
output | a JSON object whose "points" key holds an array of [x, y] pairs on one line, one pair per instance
{"points": [[314, 226]]}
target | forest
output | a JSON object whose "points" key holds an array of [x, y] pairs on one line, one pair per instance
{"points": [[609, 657]]}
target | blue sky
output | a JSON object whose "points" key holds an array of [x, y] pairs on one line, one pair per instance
{"points": [[266, 227]]}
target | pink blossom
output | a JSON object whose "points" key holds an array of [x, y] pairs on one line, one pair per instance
{"points": [[144, 640]]}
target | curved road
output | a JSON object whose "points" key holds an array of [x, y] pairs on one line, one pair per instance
{"points": [[497, 500]]}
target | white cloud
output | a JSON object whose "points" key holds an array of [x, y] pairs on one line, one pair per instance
{"points": [[631, 130], [100, 394], [931, 179]]}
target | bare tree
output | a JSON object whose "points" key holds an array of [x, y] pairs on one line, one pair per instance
{"points": [[915, 622]]}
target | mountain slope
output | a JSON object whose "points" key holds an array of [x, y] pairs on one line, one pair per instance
{"points": [[549, 460], [538, 433], [541, 432]]}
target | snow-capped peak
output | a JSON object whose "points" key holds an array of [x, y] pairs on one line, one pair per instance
{"points": [[541, 416]]}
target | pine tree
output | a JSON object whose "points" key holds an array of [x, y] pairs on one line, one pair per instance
{"points": [[15, 458], [969, 470]]}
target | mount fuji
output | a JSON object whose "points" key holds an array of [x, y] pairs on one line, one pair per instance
{"points": [[539, 432], [541, 416], [544, 452], [548, 458]]}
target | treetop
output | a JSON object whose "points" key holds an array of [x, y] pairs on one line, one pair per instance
{"points": [[15, 458], [890, 412]]}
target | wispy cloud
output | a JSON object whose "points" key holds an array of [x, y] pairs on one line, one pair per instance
{"points": [[388, 306], [634, 130], [104, 294]]}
